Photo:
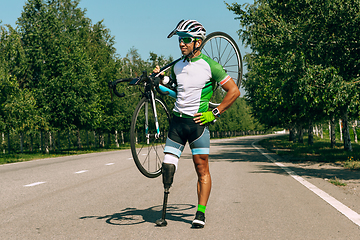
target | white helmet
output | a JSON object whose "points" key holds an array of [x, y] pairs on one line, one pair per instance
{"points": [[189, 28]]}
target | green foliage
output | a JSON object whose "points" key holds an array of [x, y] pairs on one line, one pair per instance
{"points": [[61, 73], [237, 118], [305, 59], [17, 105]]}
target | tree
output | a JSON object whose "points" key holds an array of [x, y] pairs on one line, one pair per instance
{"points": [[290, 40], [237, 118], [17, 104], [60, 73]]}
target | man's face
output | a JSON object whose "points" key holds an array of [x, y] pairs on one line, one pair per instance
{"points": [[187, 48]]}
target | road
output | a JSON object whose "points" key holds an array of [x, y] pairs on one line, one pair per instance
{"points": [[104, 196]]}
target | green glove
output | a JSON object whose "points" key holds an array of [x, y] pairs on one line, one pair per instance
{"points": [[207, 117]]}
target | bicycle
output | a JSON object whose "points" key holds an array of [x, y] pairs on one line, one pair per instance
{"points": [[151, 117]]}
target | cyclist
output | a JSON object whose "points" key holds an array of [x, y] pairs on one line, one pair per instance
{"points": [[195, 76]]}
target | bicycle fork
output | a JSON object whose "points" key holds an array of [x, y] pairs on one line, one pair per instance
{"points": [[157, 134]]}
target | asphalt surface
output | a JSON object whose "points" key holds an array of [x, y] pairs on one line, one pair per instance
{"points": [[104, 196]]}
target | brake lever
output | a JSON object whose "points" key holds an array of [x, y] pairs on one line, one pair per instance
{"points": [[156, 81]]}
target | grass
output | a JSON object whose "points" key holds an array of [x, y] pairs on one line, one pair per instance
{"points": [[352, 164], [320, 151], [22, 157], [337, 182]]}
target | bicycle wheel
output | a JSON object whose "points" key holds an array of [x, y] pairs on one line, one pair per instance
{"points": [[147, 146], [223, 49]]}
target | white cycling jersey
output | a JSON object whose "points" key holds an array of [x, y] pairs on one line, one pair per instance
{"points": [[196, 80]]}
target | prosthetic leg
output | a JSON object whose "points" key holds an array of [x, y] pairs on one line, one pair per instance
{"points": [[168, 171]]}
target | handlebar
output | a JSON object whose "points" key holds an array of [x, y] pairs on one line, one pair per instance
{"points": [[153, 80], [112, 86]]}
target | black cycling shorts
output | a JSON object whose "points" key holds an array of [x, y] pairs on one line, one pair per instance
{"points": [[184, 130]]}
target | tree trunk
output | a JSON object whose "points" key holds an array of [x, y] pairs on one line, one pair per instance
{"points": [[78, 138], [58, 139], [47, 150], [101, 140], [69, 142], [108, 144], [41, 141], [346, 133], [341, 129], [332, 132], [3, 141], [9, 143], [311, 133], [116, 139], [122, 138], [50, 141], [292, 134], [321, 131], [355, 134], [87, 138], [300, 133], [95, 139], [31, 142]]}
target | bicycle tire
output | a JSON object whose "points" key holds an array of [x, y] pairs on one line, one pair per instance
{"points": [[222, 48], [147, 150]]}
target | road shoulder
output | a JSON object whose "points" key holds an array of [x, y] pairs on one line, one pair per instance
{"points": [[320, 174]]}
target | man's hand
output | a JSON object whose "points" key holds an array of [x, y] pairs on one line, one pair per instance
{"points": [[204, 118], [156, 69], [164, 80]]}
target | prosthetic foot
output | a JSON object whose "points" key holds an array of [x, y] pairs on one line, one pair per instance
{"points": [[168, 171]]}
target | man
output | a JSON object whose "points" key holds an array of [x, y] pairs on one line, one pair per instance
{"points": [[194, 75]]}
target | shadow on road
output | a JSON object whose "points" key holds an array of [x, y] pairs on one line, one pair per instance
{"points": [[329, 173], [132, 216], [241, 150], [235, 150]]}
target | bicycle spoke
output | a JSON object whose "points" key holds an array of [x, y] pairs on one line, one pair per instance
{"points": [[223, 49], [148, 152]]}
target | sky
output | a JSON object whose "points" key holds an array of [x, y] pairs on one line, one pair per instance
{"points": [[145, 24]]}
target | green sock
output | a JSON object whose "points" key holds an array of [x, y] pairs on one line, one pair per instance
{"points": [[201, 208]]}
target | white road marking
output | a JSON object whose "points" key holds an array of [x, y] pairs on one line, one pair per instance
{"points": [[349, 213], [109, 164], [82, 171], [33, 184]]}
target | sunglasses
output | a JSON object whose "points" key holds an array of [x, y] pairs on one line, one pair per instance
{"points": [[186, 40]]}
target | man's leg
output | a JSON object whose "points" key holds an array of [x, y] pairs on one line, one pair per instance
{"points": [[201, 162], [203, 187]]}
